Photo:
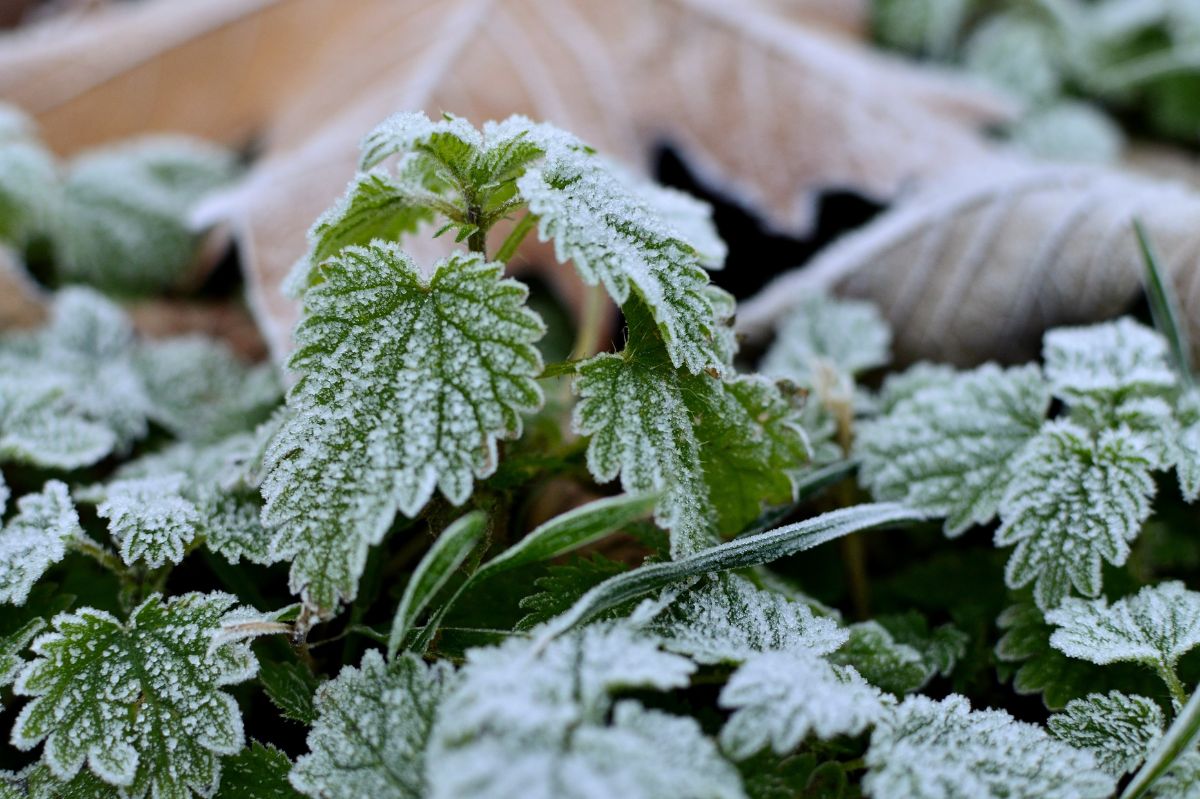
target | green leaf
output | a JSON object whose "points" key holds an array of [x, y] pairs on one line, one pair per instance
{"points": [[141, 701], [1076, 500], [742, 552], [822, 336], [406, 384], [290, 687], [444, 558], [1107, 363], [11, 647], [28, 189], [1187, 451], [885, 662], [257, 772], [948, 447], [1179, 780], [35, 539], [39, 782], [38, 426], [370, 735], [375, 206], [931, 750], [715, 449], [563, 585], [1116, 728], [1175, 753], [124, 225], [149, 519]]}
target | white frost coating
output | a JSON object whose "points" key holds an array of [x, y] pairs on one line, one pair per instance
{"points": [[780, 698], [520, 722], [139, 702], [405, 386], [1116, 728], [726, 619], [1076, 500], [1181, 781], [35, 538], [892, 665], [149, 518], [29, 189], [372, 729], [948, 447], [944, 750], [822, 334], [1156, 626], [1187, 463], [1106, 362]]}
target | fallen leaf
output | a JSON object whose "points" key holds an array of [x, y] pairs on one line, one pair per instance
{"points": [[22, 304], [758, 96], [981, 266]]}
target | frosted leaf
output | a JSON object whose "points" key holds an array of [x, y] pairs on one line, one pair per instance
{"points": [[726, 619], [1075, 501], [140, 701], [948, 447], [920, 26], [821, 334], [38, 426], [28, 189], [716, 449], [1187, 463], [1156, 626], [1106, 363], [257, 772], [35, 539], [405, 386], [199, 390], [542, 724], [124, 226], [614, 238], [943, 750], [38, 782], [11, 647], [1069, 130], [371, 733], [780, 698], [149, 519], [1181, 781], [690, 219], [1017, 54], [1116, 728], [894, 666]]}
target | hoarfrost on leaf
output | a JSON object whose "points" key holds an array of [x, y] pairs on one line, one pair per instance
{"points": [[140, 702], [405, 386], [28, 184], [822, 335], [11, 647], [373, 726], [35, 539], [1181, 781], [1187, 463], [1116, 728], [927, 749], [949, 447], [1077, 499], [779, 698], [894, 666], [1156, 626], [1106, 363], [149, 519]]}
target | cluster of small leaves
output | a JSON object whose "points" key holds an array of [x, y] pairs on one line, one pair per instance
{"points": [[115, 218]]}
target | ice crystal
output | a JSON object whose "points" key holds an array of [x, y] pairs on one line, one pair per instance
{"points": [[371, 733], [715, 448], [35, 539], [927, 749], [124, 221], [948, 447], [779, 698], [726, 619], [1116, 728], [149, 519], [405, 385], [826, 335], [1156, 626], [1076, 500], [140, 701], [542, 724]]}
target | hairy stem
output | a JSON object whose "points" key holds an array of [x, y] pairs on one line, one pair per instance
{"points": [[1174, 685]]}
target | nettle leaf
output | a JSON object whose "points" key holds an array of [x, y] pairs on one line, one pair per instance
{"points": [[779, 698], [948, 447], [1156, 626], [691, 219], [35, 539], [39, 782], [885, 662], [1107, 363], [726, 619], [124, 223], [28, 186], [1116, 728], [406, 384], [372, 729], [290, 686], [541, 723], [198, 390], [139, 701], [1187, 463], [1180, 781], [39, 427], [1077, 499], [927, 749], [714, 449], [11, 647], [149, 519], [823, 335], [257, 772]]}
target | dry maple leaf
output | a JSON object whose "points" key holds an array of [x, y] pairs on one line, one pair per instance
{"points": [[759, 97], [982, 265]]}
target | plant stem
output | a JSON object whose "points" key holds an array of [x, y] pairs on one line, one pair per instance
{"points": [[1168, 675], [509, 248], [588, 340], [854, 551], [1179, 738], [101, 554]]}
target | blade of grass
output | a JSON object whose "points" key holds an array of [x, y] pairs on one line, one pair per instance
{"points": [[1181, 737], [1164, 308]]}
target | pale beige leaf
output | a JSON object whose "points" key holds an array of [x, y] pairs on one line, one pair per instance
{"points": [[758, 95], [983, 265], [22, 303]]}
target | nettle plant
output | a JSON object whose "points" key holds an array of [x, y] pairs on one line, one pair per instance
{"points": [[460, 618]]}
